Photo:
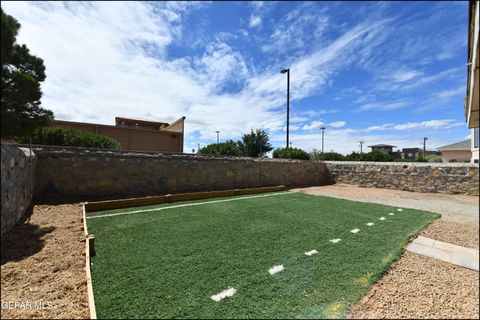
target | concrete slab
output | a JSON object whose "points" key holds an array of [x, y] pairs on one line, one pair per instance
{"points": [[461, 256]]}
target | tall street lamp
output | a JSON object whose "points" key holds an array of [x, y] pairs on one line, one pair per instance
{"points": [[287, 71], [217, 131], [323, 133]]}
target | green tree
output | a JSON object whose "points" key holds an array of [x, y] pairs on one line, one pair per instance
{"points": [[291, 153], [20, 84], [227, 148], [255, 144]]}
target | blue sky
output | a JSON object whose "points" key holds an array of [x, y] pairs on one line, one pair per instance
{"points": [[380, 72]]}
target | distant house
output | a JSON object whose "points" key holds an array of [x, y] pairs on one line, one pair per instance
{"points": [[385, 148], [136, 133], [411, 153], [472, 105], [456, 152]]}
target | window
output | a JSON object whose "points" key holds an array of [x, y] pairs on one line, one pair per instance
{"points": [[475, 137]]}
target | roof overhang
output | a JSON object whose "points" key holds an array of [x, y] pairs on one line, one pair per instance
{"points": [[473, 82]]}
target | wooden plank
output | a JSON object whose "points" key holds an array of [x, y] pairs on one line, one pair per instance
{"points": [[124, 203], [144, 201], [201, 195], [91, 300], [260, 190]]}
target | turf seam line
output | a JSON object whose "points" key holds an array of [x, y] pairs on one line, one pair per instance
{"points": [[189, 205]]}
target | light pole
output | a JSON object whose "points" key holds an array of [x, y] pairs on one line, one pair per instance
{"points": [[323, 134], [287, 71], [361, 146], [424, 146], [217, 131]]}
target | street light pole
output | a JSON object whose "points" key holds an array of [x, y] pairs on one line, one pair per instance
{"points": [[323, 133], [287, 71], [361, 146], [424, 146], [217, 131]]}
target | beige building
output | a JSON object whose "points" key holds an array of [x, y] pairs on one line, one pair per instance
{"points": [[471, 106], [456, 152], [135, 133]]}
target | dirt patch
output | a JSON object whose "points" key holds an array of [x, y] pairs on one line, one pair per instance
{"points": [[43, 265], [465, 235], [422, 287]]}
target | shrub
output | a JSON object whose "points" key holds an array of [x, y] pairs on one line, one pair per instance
{"points": [[291, 153], [70, 137], [227, 148], [370, 156], [326, 156]]}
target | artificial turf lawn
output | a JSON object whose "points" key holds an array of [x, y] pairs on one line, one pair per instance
{"points": [[167, 264]]}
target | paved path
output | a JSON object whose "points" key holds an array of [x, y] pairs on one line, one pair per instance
{"points": [[460, 256], [456, 208]]}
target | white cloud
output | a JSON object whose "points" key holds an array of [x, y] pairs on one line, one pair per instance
{"points": [[255, 21], [383, 106], [337, 124], [406, 75], [313, 125], [446, 94], [430, 124]]}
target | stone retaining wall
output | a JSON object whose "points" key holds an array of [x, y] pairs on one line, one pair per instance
{"points": [[18, 171], [454, 178], [96, 173]]}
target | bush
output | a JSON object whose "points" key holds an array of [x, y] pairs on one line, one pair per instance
{"points": [[326, 156], [291, 153], [70, 137], [227, 148]]}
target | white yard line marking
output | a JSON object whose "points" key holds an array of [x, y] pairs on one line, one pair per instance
{"points": [[391, 214], [335, 240], [311, 252], [370, 224], [188, 205], [399, 210], [382, 218], [276, 269], [355, 230], [222, 295]]}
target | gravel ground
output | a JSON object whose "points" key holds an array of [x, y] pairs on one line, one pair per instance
{"points": [[465, 235], [422, 287], [456, 208], [43, 264]]}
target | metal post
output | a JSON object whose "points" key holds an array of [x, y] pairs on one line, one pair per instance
{"points": [[288, 105], [424, 146], [323, 134], [361, 147]]}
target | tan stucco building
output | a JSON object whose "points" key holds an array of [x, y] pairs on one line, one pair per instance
{"points": [[472, 104], [136, 133], [456, 152]]}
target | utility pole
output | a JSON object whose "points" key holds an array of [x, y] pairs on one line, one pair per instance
{"points": [[217, 131], [361, 146], [198, 147], [323, 135], [424, 146]]}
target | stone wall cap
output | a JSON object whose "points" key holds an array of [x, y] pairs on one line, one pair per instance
{"points": [[415, 164]]}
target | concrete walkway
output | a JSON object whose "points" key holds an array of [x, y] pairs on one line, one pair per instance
{"points": [[456, 208], [460, 256]]}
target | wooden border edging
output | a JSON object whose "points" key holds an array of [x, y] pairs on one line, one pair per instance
{"points": [[91, 301], [144, 201]]}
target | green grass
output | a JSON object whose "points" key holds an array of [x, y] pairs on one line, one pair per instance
{"points": [[167, 264]]}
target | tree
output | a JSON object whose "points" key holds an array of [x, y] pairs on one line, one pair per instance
{"points": [[255, 143], [291, 153], [227, 148], [20, 84]]}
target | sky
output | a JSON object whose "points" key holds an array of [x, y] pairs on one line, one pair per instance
{"points": [[378, 72]]}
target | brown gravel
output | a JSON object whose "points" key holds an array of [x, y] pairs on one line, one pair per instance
{"points": [[465, 235], [422, 287], [43, 264]]}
